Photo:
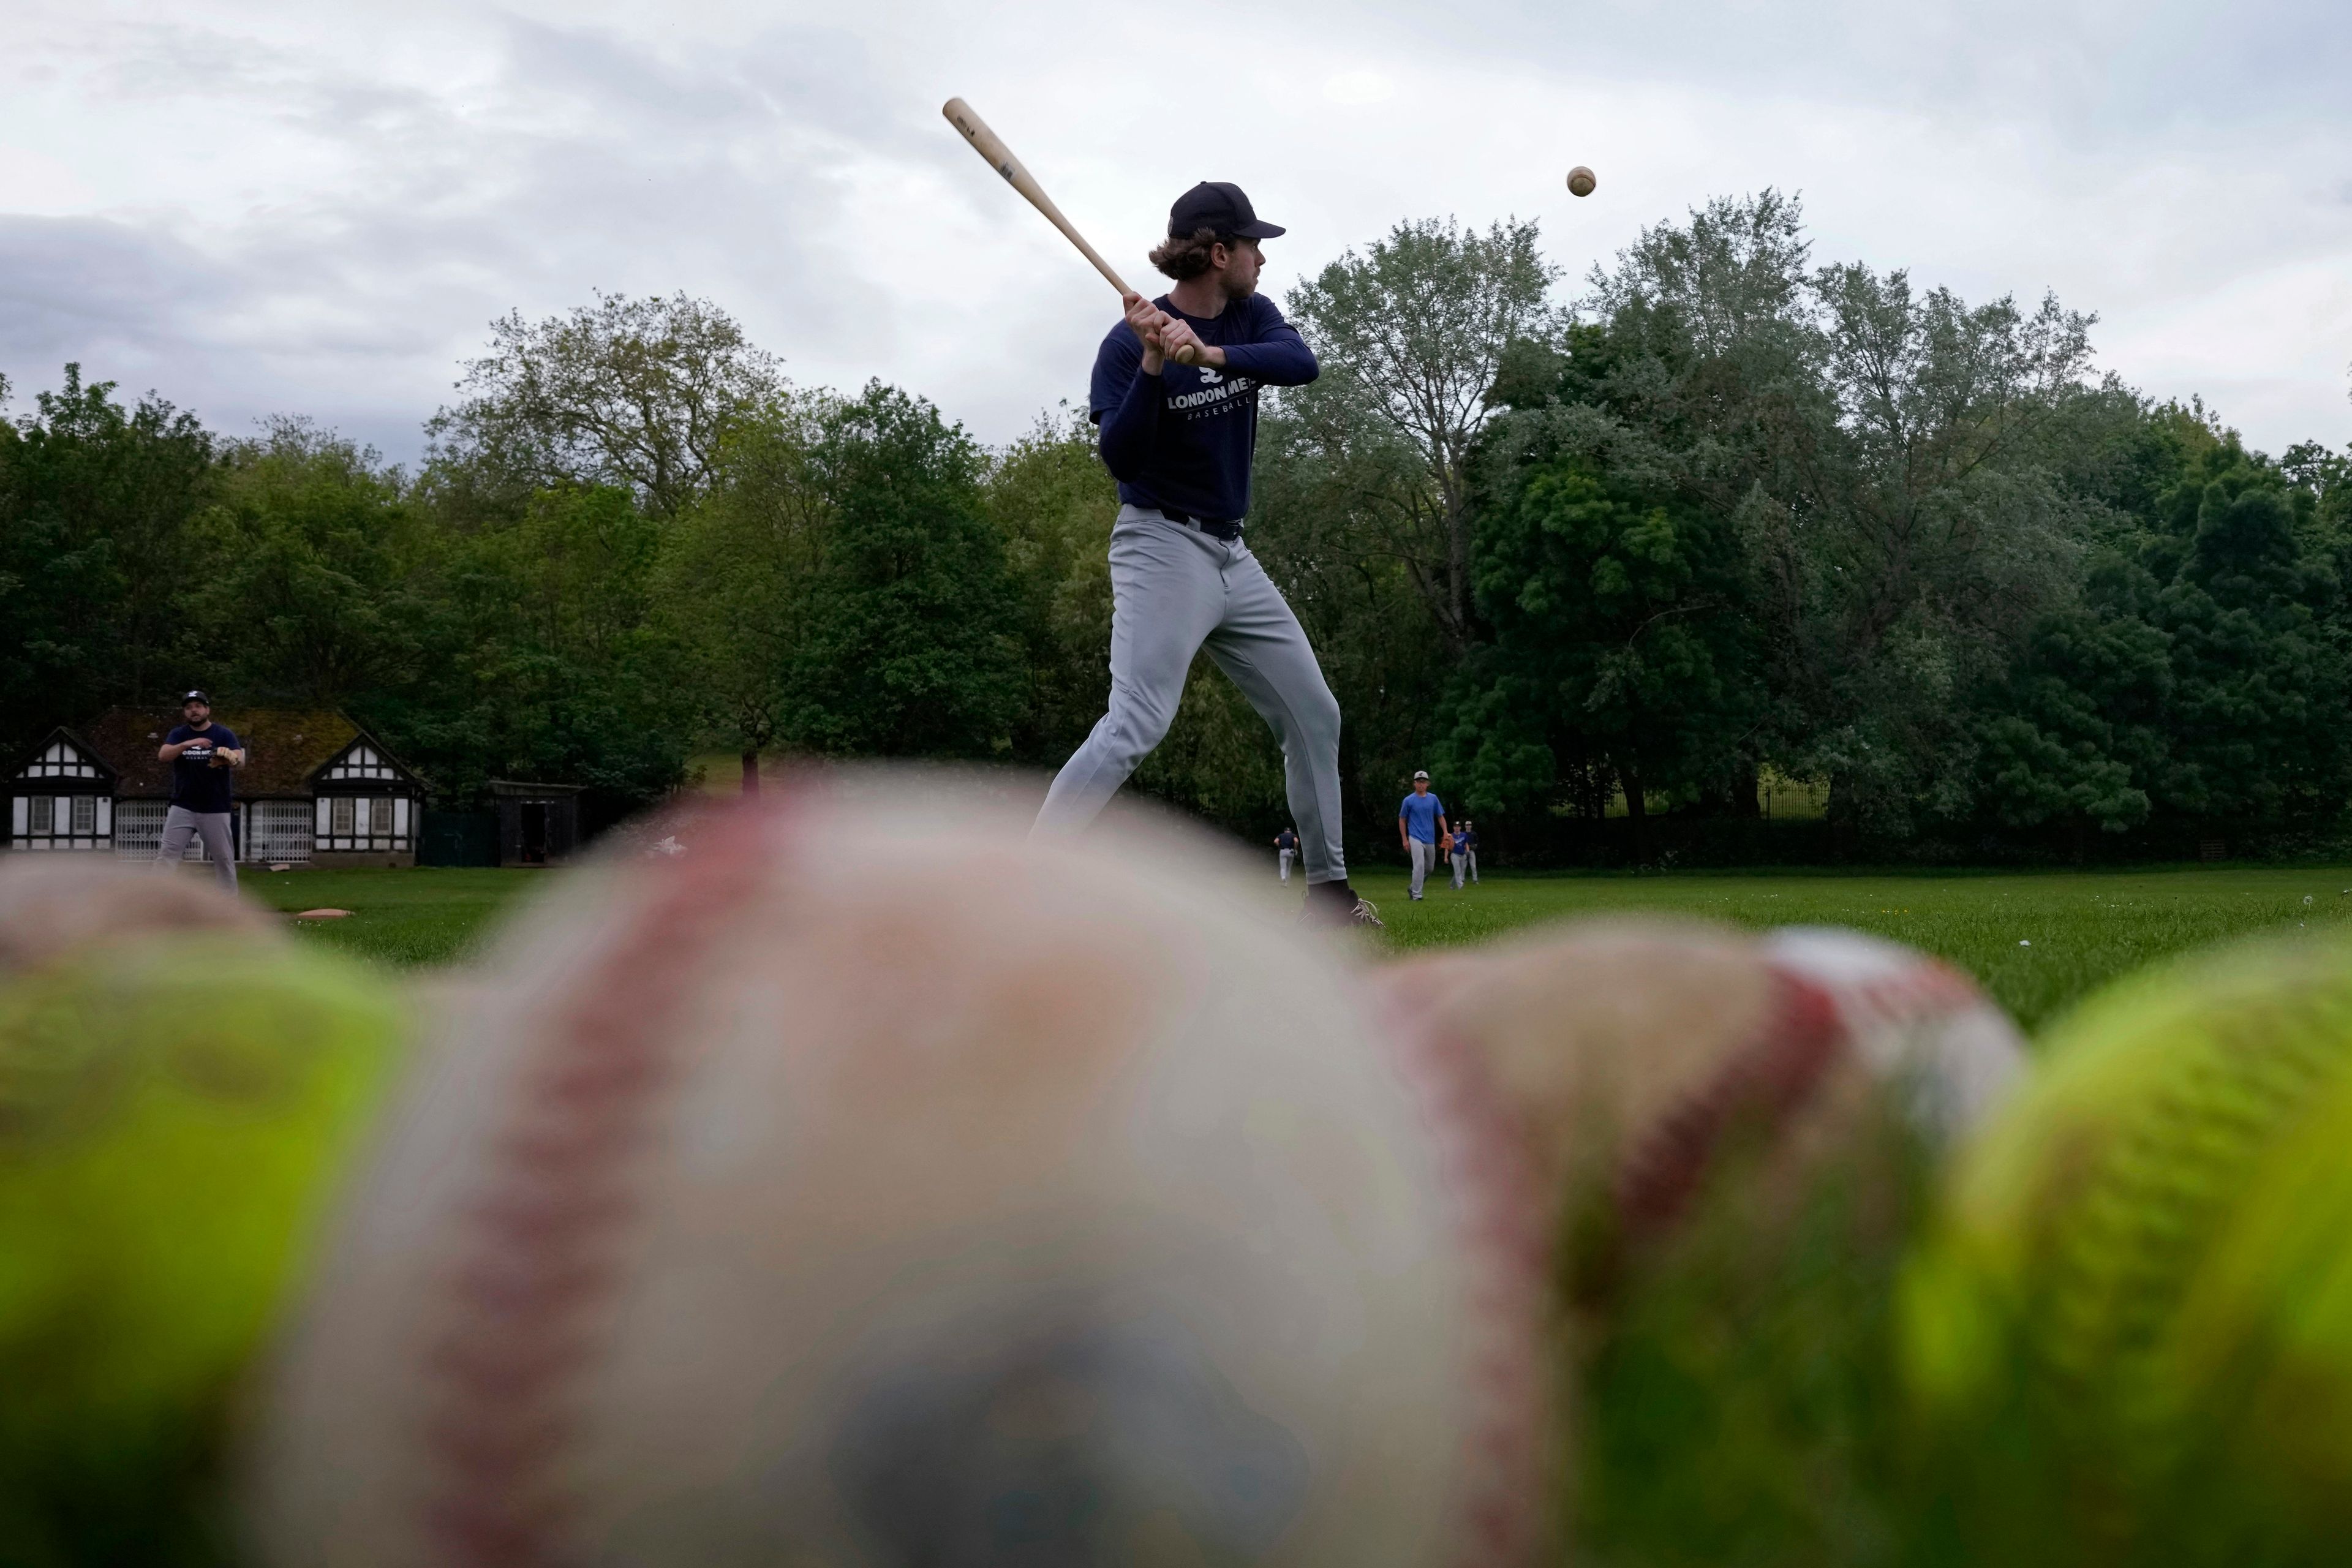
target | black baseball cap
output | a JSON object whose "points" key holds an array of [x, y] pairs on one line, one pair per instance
{"points": [[196, 696], [1218, 205]]}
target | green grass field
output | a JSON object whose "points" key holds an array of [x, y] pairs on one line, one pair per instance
{"points": [[2082, 929], [430, 915]]}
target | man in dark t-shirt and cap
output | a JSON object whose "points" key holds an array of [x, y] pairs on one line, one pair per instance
{"points": [[202, 754], [1286, 850], [1175, 393]]}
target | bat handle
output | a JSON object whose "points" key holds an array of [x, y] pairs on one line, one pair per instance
{"points": [[1104, 267]]}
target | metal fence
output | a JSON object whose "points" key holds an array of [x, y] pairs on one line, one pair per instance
{"points": [[268, 832], [139, 830], [277, 833]]}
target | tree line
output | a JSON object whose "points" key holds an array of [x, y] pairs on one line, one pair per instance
{"points": [[1610, 567]]}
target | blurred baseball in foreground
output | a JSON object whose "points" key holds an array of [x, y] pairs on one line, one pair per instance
{"points": [[2133, 1335], [178, 1087], [1735, 1134], [1007, 1204], [1580, 181], [52, 904]]}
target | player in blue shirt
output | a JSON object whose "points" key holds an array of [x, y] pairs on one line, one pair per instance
{"points": [[1420, 820], [1175, 392]]}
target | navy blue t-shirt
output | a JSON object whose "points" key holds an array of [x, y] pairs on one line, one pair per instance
{"points": [[1287, 840], [1183, 440], [1421, 813], [196, 785]]}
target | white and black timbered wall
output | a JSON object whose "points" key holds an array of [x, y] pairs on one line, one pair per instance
{"points": [[62, 800], [364, 805], [358, 802]]}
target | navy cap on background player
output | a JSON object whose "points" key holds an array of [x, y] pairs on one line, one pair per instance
{"points": [[1218, 205]]}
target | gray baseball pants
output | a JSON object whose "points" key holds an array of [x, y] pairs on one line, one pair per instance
{"points": [[180, 824], [1424, 856], [1175, 591], [1461, 864]]}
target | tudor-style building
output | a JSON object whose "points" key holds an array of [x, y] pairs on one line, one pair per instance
{"points": [[316, 789], [61, 796]]}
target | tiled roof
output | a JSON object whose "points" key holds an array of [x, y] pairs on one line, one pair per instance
{"points": [[283, 746]]}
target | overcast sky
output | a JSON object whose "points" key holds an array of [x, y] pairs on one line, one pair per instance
{"points": [[257, 208]]}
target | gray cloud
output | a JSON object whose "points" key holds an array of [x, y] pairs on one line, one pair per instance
{"points": [[259, 211]]}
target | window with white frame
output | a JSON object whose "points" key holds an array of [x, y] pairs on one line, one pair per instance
{"points": [[84, 813], [365, 824], [44, 813]]}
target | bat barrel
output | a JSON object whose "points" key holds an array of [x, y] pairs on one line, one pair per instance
{"points": [[991, 147]]}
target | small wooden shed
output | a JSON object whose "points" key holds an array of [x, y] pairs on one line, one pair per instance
{"points": [[539, 823]]}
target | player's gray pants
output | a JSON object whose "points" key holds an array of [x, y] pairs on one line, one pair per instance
{"points": [[1424, 856], [1472, 859], [1461, 863], [1175, 591], [1287, 856], [180, 824]]}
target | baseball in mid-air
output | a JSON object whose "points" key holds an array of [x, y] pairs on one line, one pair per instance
{"points": [[1580, 181]]}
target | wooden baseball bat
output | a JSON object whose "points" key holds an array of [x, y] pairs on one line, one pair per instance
{"points": [[989, 145]]}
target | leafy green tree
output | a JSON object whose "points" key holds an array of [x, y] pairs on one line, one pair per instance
{"points": [[539, 660], [639, 394], [910, 644], [309, 550], [1411, 335], [2203, 676], [97, 560], [1940, 528], [2079, 732], [1620, 643], [1374, 630], [735, 570], [1695, 376], [2260, 697], [1052, 502]]}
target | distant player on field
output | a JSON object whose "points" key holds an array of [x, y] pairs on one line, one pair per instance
{"points": [[1466, 852], [202, 754], [1420, 820], [1286, 849], [1175, 392]]}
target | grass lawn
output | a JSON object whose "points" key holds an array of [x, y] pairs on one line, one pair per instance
{"points": [[2083, 928], [428, 915]]}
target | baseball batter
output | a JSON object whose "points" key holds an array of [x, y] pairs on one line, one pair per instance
{"points": [[1175, 394]]}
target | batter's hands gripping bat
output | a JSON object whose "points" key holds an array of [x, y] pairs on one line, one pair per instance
{"points": [[1000, 157]]}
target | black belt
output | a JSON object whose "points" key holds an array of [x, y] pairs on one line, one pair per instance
{"points": [[1223, 533]]}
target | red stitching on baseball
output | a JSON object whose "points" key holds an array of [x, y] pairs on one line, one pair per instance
{"points": [[1485, 1162], [1772, 1076], [536, 1261]]}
